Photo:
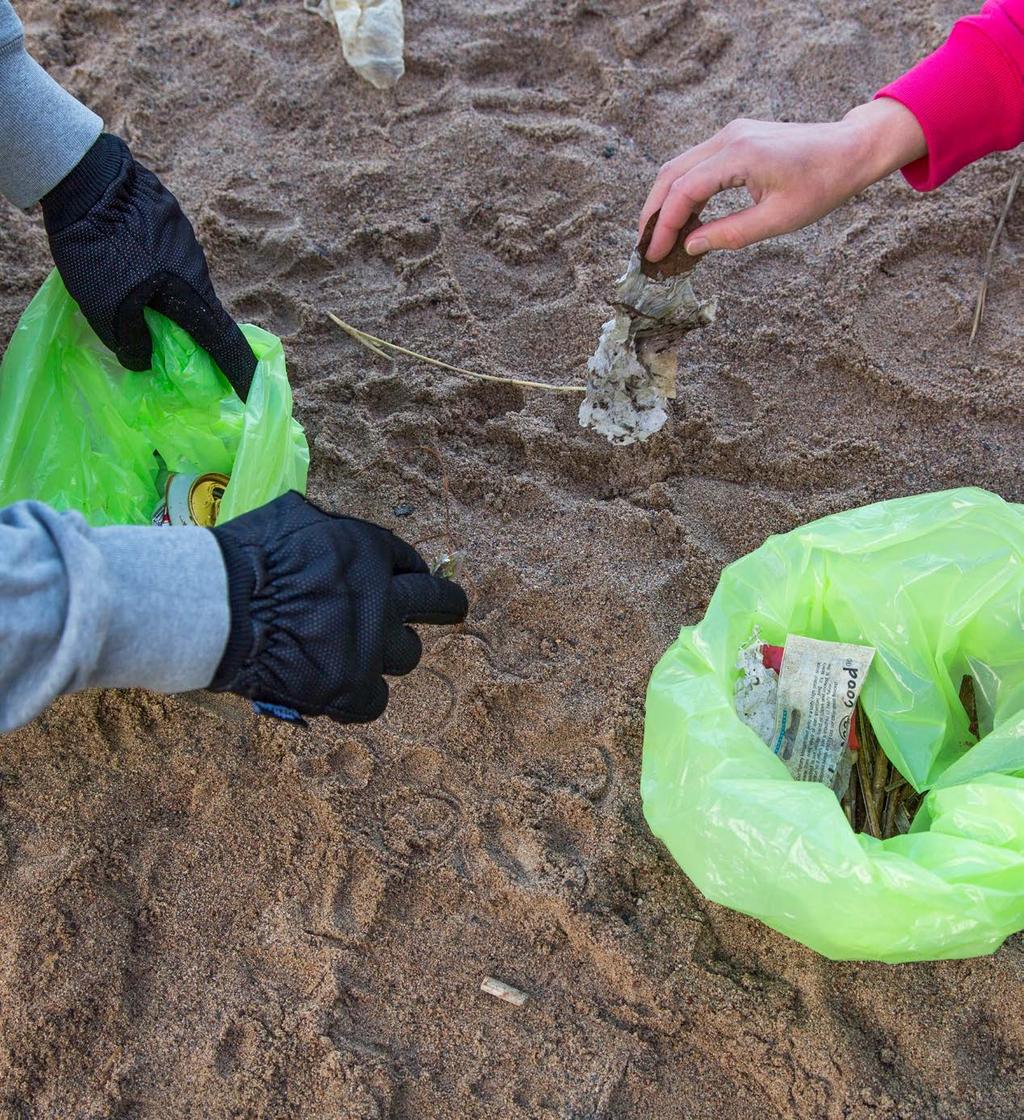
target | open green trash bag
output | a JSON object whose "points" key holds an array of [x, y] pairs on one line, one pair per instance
{"points": [[936, 584], [78, 431]]}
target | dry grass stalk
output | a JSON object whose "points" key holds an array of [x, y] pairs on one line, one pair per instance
{"points": [[866, 762], [879, 773], [373, 343], [880, 785], [979, 310], [362, 339], [893, 798], [887, 801], [849, 802]]}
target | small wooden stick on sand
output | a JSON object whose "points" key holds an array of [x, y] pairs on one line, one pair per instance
{"points": [[500, 990], [979, 310]]}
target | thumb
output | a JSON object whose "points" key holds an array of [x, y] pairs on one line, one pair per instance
{"points": [[131, 340], [740, 229]]}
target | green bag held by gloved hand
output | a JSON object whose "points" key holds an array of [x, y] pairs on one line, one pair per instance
{"points": [[78, 431], [936, 584]]}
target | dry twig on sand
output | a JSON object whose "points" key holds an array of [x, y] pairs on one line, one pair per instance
{"points": [[979, 310]]}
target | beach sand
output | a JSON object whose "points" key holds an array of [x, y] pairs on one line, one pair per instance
{"points": [[209, 915]]}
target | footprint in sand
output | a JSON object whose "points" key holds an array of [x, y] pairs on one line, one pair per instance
{"points": [[420, 826], [422, 706]]}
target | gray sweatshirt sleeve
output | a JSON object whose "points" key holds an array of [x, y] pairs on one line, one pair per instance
{"points": [[133, 606], [44, 131]]}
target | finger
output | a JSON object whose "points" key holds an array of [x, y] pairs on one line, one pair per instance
{"points": [[744, 227], [674, 169], [402, 650], [367, 706], [231, 351], [211, 326], [426, 598], [405, 557], [687, 195], [132, 342]]}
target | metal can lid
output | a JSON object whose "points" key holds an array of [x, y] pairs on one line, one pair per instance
{"points": [[204, 498], [195, 499]]}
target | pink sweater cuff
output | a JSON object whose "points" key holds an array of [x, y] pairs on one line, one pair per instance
{"points": [[968, 96]]}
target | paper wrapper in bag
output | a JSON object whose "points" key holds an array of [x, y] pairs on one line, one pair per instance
{"points": [[372, 36]]}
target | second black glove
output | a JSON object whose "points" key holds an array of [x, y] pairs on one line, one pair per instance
{"points": [[321, 607]]}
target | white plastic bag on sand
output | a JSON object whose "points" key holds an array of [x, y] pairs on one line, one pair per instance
{"points": [[372, 36]]}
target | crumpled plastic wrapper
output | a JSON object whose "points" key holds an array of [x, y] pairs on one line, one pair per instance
{"points": [[632, 374], [372, 36], [757, 689]]}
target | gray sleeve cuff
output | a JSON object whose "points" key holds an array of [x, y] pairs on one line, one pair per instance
{"points": [[168, 622], [83, 608], [44, 131]]}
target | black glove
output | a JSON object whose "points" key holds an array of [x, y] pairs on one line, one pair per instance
{"points": [[319, 609], [122, 243]]}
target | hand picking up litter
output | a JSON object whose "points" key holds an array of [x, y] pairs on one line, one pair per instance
{"points": [[964, 101], [794, 173], [961, 103]]}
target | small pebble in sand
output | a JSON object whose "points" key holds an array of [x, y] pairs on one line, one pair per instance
{"points": [[403, 509], [500, 990]]}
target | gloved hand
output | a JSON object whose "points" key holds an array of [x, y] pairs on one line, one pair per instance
{"points": [[320, 607], [121, 243]]}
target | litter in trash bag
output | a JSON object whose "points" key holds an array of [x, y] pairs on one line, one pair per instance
{"points": [[801, 699], [372, 36], [79, 431], [935, 584]]}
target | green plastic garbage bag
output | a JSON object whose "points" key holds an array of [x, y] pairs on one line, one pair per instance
{"points": [[936, 584], [78, 431]]}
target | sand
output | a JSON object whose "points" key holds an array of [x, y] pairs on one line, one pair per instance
{"points": [[206, 915]]}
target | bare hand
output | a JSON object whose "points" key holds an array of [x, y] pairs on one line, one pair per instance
{"points": [[794, 174]]}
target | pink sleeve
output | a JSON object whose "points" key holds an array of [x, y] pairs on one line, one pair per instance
{"points": [[968, 96]]}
